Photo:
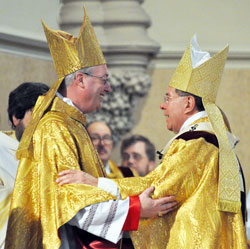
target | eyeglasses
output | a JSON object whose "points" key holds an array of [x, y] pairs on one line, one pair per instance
{"points": [[167, 98], [105, 80], [96, 139]]}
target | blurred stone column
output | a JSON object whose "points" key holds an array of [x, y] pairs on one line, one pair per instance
{"points": [[121, 27], [71, 16], [128, 44]]}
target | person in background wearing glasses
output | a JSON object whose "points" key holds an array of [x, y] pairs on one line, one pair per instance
{"points": [[45, 213], [138, 153], [101, 136]]}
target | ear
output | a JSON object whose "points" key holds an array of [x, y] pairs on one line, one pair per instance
{"points": [[151, 166], [79, 79], [15, 120], [190, 105]]}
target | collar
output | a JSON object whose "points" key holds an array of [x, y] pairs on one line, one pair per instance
{"points": [[67, 100], [107, 168], [192, 119], [61, 106]]}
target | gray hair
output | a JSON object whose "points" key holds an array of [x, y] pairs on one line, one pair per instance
{"points": [[70, 78], [198, 100]]}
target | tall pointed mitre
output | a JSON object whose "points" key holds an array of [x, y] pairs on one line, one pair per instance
{"points": [[200, 74], [69, 54]]}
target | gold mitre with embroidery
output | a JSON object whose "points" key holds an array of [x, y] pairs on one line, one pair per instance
{"points": [[200, 74], [203, 76], [70, 54]]}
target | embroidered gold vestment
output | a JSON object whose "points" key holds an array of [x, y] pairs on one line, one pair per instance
{"points": [[189, 170], [40, 206]]}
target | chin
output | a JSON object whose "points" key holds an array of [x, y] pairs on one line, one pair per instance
{"points": [[98, 107]]}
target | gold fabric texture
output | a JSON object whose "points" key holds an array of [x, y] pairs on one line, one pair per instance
{"points": [[25, 148], [40, 206], [229, 184], [189, 170], [204, 81], [70, 54]]}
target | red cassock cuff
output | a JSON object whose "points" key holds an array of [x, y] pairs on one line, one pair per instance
{"points": [[132, 220]]}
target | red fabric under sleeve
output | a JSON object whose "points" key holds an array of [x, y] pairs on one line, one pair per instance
{"points": [[132, 220]]}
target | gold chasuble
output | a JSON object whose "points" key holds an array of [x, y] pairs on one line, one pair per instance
{"points": [[55, 140], [40, 206], [189, 170]]}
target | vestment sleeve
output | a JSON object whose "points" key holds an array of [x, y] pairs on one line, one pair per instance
{"points": [[179, 172], [102, 216], [105, 219], [38, 201]]}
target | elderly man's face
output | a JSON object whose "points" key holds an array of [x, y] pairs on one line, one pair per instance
{"points": [[173, 107], [100, 135], [92, 89]]}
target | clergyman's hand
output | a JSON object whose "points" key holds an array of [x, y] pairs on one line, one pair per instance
{"points": [[155, 207], [76, 176]]}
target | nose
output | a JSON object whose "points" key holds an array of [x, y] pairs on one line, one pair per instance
{"points": [[107, 88], [100, 142], [131, 161], [162, 106]]}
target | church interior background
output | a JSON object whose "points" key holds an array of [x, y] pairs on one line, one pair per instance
{"points": [[142, 40]]}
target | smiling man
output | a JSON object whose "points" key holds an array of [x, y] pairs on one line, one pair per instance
{"points": [[45, 214], [199, 165]]}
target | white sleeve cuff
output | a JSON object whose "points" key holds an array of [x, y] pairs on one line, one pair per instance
{"points": [[104, 219], [109, 186]]}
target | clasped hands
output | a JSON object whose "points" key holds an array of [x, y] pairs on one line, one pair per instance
{"points": [[149, 207]]}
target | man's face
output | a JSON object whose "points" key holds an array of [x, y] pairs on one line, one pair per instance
{"points": [[89, 97], [173, 107], [21, 124], [135, 157], [100, 135]]}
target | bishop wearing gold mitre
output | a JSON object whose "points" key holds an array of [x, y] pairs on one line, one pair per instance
{"points": [[43, 213], [198, 165]]}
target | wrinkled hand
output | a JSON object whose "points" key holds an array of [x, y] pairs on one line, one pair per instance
{"points": [[76, 176], [155, 207]]}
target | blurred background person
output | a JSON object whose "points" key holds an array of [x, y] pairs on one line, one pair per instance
{"points": [[21, 102], [138, 153], [101, 136]]}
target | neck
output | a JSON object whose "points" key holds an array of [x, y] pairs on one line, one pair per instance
{"points": [[67, 100], [192, 118]]}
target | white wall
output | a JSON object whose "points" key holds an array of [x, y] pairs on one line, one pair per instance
{"points": [[216, 23], [23, 17], [173, 22]]}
